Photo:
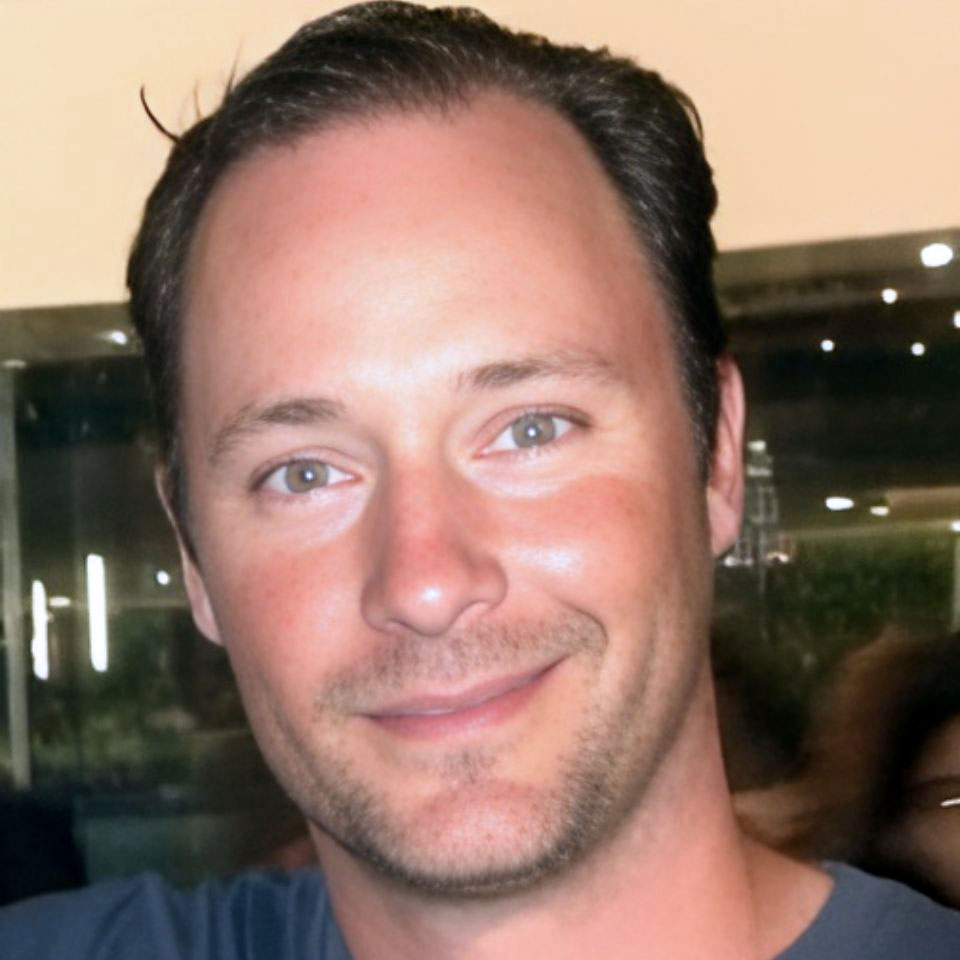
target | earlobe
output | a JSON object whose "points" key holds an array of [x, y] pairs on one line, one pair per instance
{"points": [[200, 606], [725, 485]]}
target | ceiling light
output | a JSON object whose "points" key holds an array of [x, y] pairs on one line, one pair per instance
{"points": [[827, 346], [918, 349], [936, 254], [838, 503], [880, 510], [118, 337], [889, 295]]}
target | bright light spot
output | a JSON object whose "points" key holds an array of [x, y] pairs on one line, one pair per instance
{"points": [[880, 510], [97, 611], [15, 363], [827, 346], [120, 337], [918, 349], [889, 295], [757, 446], [163, 578], [950, 802], [838, 503], [39, 646], [956, 319], [59, 603], [936, 254], [733, 560], [955, 526]]}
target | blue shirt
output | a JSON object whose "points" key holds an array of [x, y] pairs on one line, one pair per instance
{"points": [[287, 916]]}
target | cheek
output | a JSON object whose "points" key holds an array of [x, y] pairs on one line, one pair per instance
{"points": [[610, 545], [282, 614]]}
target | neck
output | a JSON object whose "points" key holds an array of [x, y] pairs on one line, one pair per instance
{"points": [[677, 880]]}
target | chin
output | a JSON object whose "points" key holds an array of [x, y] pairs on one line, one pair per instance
{"points": [[480, 839]]}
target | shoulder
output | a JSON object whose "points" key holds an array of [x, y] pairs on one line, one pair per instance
{"points": [[873, 918], [276, 915]]}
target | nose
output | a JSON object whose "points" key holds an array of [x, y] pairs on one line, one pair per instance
{"points": [[432, 561]]}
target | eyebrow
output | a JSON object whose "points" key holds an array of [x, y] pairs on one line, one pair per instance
{"points": [[253, 418], [299, 411], [562, 364]]}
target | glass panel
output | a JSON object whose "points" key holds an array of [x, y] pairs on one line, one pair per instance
{"points": [[136, 733], [851, 356]]}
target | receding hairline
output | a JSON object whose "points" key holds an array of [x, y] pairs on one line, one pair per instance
{"points": [[447, 112]]}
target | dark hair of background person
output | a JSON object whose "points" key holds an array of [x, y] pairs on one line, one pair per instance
{"points": [[38, 852], [884, 708], [376, 58]]}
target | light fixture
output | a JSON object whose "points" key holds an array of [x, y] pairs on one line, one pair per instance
{"points": [[39, 644], [936, 254], [889, 295], [827, 346], [757, 446], [955, 526], [163, 578], [918, 349], [880, 510], [956, 319], [118, 337], [97, 611], [838, 503], [59, 603], [15, 363]]}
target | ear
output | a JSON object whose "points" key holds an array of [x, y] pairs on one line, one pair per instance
{"points": [[725, 485], [196, 589]]}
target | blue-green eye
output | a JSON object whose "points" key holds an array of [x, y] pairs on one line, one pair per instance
{"points": [[531, 430], [303, 476]]}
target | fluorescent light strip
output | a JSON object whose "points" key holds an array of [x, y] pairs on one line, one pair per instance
{"points": [[39, 645], [97, 611]]}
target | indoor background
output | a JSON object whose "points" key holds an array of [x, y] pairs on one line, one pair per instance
{"points": [[833, 130]]}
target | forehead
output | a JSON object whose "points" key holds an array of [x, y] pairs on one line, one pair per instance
{"points": [[381, 233]]}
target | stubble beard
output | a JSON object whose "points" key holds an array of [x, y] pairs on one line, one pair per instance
{"points": [[531, 834]]}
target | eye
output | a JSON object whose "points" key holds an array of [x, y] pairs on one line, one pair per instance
{"points": [[302, 476], [531, 430]]}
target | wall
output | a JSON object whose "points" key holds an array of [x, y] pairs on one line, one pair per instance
{"points": [[824, 119]]}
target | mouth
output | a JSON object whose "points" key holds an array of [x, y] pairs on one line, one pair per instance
{"points": [[444, 714]]}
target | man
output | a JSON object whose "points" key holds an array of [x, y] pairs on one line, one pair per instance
{"points": [[450, 443]]}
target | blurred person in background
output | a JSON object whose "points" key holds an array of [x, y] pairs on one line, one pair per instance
{"points": [[881, 788], [38, 851]]}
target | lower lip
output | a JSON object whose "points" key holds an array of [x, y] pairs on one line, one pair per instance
{"points": [[496, 710]]}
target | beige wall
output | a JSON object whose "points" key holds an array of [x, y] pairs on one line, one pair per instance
{"points": [[824, 118]]}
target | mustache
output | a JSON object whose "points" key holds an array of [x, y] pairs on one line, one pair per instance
{"points": [[405, 662]]}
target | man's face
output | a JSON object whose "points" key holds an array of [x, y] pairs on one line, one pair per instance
{"points": [[444, 491]]}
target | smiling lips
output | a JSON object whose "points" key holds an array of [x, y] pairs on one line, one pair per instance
{"points": [[440, 715]]}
